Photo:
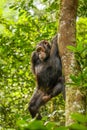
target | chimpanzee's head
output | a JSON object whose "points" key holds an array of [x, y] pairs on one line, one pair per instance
{"points": [[43, 50]]}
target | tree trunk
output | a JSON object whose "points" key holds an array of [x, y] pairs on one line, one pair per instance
{"points": [[67, 36]]}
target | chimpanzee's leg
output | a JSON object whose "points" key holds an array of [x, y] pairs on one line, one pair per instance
{"points": [[36, 102], [57, 89], [40, 97]]}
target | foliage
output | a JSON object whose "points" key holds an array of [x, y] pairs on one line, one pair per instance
{"points": [[22, 25], [80, 124], [82, 8], [18, 39]]}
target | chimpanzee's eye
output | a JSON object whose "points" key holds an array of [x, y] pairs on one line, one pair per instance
{"points": [[45, 43]]}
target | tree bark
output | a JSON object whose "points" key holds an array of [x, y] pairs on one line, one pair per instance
{"points": [[67, 36]]}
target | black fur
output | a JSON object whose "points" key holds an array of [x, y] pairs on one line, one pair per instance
{"points": [[48, 77]]}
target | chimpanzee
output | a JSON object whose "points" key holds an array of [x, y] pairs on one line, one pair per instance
{"points": [[47, 68]]}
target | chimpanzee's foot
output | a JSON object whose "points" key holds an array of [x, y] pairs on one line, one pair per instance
{"points": [[46, 98], [38, 116]]}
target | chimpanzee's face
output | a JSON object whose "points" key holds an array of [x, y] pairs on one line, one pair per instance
{"points": [[43, 50]]}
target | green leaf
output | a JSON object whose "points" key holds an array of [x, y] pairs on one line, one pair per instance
{"points": [[77, 126], [80, 47], [72, 48], [79, 117], [36, 125], [61, 128]]}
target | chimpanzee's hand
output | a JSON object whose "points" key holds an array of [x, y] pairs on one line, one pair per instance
{"points": [[34, 57]]}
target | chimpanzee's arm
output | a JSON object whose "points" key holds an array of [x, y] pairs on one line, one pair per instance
{"points": [[54, 46], [34, 60]]}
